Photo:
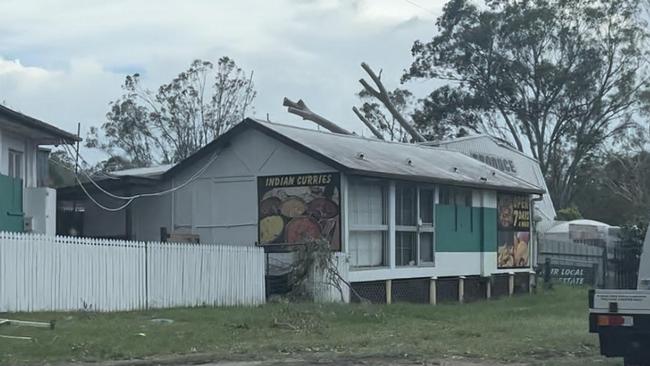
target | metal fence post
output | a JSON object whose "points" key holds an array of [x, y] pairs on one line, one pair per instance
{"points": [[547, 274], [605, 269], [146, 275]]}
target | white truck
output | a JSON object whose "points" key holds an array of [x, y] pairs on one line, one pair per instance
{"points": [[621, 318]]}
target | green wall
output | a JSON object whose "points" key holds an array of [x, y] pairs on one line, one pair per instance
{"points": [[466, 229], [11, 204]]}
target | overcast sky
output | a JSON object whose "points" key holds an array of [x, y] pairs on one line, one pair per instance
{"points": [[64, 61]]}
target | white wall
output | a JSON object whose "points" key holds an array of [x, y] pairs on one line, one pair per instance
{"points": [[23, 144], [40, 205]]}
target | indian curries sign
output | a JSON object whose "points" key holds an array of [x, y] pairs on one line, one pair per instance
{"points": [[298, 209]]}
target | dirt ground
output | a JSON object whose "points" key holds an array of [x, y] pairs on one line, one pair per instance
{"points": [[378, 361], [360, 362]]}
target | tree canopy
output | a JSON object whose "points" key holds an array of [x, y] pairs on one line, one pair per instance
{"points": [[559, 79], [145, 127]]}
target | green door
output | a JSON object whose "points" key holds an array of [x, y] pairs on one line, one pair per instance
{"points": [[11, 204]]}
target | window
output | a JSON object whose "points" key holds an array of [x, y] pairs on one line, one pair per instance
{"points": [[16, 164], [455, 196], [368, 223], [413, 225], [461, 200]]}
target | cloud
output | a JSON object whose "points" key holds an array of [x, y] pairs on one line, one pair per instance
{"points": [[74, 53], [14, 75]]}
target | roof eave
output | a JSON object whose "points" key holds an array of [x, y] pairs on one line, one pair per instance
{"points": [[445, 181], [59, 135]]}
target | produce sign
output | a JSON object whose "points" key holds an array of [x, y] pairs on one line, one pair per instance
{"points": [[296, 209], [513, 231]]}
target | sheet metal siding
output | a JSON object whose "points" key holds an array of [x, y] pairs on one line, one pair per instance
{"points": [[466, 229], [150, 214], [527, 168], [47, 273], [222, 205], [101, 223]]}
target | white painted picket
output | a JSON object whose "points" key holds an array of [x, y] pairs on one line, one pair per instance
{"points": [[45, 273]]}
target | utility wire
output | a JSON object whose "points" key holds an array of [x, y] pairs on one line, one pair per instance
{"points": [[130, 199], [107, 175], [420, 6]]}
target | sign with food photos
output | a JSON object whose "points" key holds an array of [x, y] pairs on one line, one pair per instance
{"points": [[513, 231], [298, 209]]}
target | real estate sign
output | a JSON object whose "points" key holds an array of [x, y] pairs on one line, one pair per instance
{"points": [[296, 209], [513, 231], [570, 274]]}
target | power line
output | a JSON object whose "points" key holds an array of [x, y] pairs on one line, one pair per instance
{"points": [[421, 7], [130, 199]]}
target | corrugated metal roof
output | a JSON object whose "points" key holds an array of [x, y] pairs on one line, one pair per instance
{"points": [[148, 172], [31, 122], [494, 139], [375, 157]]}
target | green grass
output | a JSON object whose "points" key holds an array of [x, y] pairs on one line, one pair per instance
{"points": [[546, 329]]}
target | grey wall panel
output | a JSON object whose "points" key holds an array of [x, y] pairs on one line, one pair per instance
{"points": [[149, 215], [100, 223], [221, 206]]}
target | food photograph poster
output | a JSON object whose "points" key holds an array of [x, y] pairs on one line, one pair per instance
{"points": [[513, 231], [298, 209]]}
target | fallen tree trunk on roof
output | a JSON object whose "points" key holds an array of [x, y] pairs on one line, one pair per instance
{"points": [[367, 123], [301, 109], [384, 98]]}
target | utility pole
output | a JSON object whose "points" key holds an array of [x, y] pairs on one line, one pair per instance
{"points": [[76, 172]]}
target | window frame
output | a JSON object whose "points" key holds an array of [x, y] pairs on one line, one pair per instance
{"points": [[383, 229], [14, 165], [419, 227]]}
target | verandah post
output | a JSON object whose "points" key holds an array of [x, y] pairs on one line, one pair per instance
{"points": [[432, 291], [389, 291]]}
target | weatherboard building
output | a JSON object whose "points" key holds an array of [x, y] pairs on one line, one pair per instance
{"points": [[407, 222]]}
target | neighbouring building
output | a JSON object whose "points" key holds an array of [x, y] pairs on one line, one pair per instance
{"points": [[414, 222], [26, 204]]}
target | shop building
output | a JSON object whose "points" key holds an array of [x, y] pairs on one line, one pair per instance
{"points": [[501, 155], [411, 222]]}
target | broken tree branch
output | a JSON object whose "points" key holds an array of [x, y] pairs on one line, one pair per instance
{"points": [[383, 96], [367, 123], [300, 109]]}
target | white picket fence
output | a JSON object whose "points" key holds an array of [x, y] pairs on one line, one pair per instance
{"points": [[45, 273]]}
